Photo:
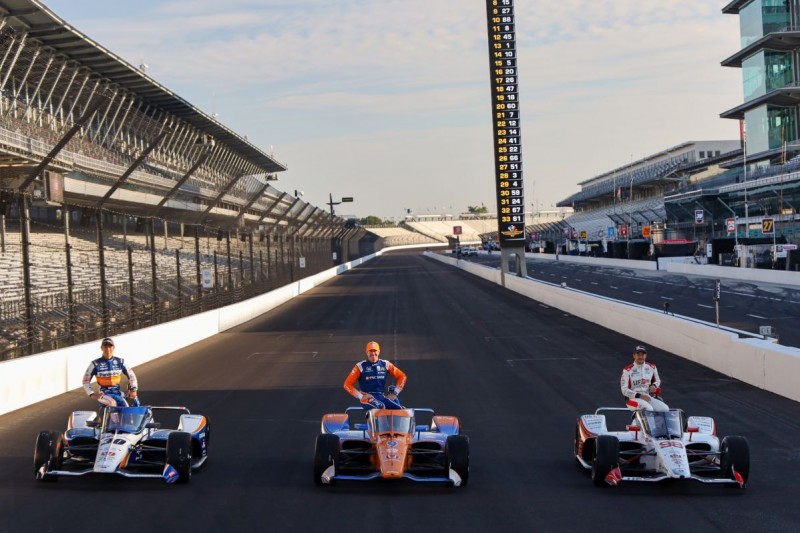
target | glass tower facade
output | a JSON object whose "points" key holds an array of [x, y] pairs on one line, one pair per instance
{"points": [[769, 59], [760, 18]]}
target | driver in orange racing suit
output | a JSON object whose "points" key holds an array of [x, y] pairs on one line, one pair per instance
{"points": [[371, 375]]}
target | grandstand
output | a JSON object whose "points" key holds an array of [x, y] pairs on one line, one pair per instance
{"points": [[722, 193], [117, 196], [632, 196], [441, 228], [696, 201], [400, 236]]}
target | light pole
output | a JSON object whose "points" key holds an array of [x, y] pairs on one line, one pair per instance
{"points": [[344, 199]]}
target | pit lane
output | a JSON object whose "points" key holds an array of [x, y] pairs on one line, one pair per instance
{"points": [[516, 373]]}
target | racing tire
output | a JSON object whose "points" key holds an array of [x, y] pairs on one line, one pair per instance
{"points": [[734, 453], [47, 454], [179, 455], [326, 454], [457, 456], [605, 458]]}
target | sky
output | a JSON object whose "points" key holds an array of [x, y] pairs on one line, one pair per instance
{"points": [[388, 101]]}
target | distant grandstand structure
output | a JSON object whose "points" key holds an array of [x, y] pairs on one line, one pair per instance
{"points": [[737, 201], [705, 195], [122, 205]]}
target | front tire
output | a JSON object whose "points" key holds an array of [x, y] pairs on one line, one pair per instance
{"points": [[457, 456], [326, 454], [735, 456], [179, 455], [605, 458], [47, 455]]}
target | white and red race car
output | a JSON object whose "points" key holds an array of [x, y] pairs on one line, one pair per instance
{"points": [[656, 446]]}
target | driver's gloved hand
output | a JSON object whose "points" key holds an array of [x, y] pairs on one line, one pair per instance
{"points": [[366, 398]]}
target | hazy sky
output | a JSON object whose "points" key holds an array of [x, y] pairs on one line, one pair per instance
{"points": [[388, 101]]}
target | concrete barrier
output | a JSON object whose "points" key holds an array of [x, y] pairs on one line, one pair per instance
{"points": [[599, 261], [782, 277], [34, 378], [754, 361]]}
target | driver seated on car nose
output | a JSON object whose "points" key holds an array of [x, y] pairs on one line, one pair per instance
{"points": [[371, 375], [640, 383]]}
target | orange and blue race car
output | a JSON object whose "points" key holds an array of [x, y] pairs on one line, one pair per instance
{"points": [[391, 445]]}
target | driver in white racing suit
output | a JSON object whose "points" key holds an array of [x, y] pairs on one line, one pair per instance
{"points": [[641, 384]]}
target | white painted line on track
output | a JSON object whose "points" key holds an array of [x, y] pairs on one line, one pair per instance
{"points": [[756, 316], [313, 354], [667, 298], [706, 306], [512, 361]]}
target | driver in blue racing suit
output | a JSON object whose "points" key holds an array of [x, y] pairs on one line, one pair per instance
{"points": [[371, 375], [108, 371]]}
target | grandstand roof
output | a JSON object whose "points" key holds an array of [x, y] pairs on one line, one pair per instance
{"points": [[44, 26], [785, 96], [734, 7], [784, 41]]}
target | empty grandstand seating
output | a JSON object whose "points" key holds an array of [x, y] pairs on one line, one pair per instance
{"points": [[442, 230], [397, 236]]}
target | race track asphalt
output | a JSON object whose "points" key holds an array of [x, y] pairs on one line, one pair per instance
{"points": [[515, 372]]}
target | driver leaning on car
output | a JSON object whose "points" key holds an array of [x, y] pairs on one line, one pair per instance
{"points": [[640, 383], [371, 374], [108, 371]]}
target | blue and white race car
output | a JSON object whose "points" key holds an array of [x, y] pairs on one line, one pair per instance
{"points": [[126, 441]]}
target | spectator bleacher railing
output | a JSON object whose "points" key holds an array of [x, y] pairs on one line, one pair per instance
{"points": [[77, 269]]}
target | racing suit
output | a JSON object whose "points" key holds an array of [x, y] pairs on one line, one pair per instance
{"points": [[636, 380], [109, 374], [371, 379]]}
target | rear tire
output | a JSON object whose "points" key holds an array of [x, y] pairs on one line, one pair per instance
{"points": [[457, 456], [179, 455], [604, 459], [735, 454], [47, 454], [326, 454]]}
